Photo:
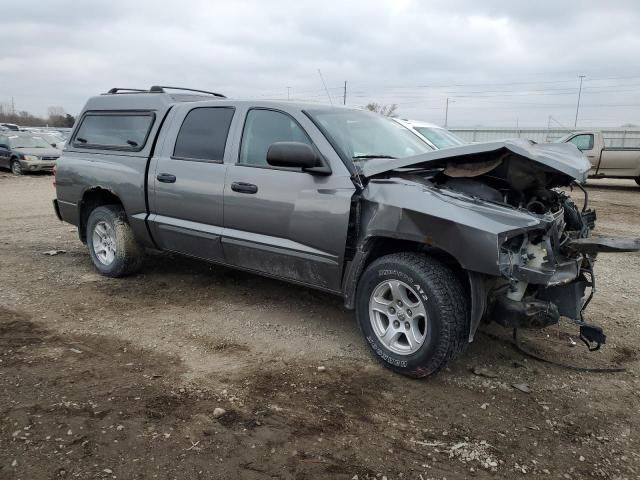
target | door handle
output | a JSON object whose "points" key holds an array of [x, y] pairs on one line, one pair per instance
{"points": [[166, 178], [242, 187]]}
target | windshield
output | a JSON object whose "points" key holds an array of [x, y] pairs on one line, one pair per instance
{"points": [[440, 137], [361, 135], [28, 142], [51, 137]]}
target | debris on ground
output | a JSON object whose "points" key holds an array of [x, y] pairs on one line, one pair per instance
{"points": [[484, 372], [523, 387], [52, 253], [218, 412]]}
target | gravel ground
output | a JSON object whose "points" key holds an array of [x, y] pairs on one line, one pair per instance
{"points": [[189, 370]]}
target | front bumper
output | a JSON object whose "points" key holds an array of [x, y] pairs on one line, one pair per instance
{"points": [[37, 165]]}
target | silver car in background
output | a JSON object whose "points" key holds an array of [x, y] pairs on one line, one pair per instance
{"points": [[433, 135]]}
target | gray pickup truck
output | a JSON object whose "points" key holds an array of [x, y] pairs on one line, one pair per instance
{"points": [[423, 244]]}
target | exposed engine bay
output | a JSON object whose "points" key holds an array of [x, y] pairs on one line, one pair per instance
{"points": [[545, 260], [544, 275]]}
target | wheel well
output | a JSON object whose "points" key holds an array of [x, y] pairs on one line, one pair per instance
{"points": [[385, 246], [376, 247], [93, 198]]}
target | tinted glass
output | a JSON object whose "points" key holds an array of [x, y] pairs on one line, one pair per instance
{"points": [[203, 134], [264, 127], [583, 142], [121, 132]]}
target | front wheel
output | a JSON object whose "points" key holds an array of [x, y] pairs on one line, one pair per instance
{"points": [[412, 310], [16, 168], [111, 243]]}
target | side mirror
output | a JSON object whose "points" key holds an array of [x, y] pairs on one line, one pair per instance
{"points": [[292, 155]]}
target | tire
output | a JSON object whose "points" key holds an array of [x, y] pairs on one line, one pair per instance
{"points": [[16, 168], [443, 324], [111, 243]]}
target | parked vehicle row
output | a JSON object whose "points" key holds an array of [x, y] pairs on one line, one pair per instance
{"points": [[423, 244], [23, 152]]}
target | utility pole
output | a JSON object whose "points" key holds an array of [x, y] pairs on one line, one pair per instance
{"points": [[446, 112], [325, 87], [344, 96], [13, 106], [575, 124], [288, 93]]}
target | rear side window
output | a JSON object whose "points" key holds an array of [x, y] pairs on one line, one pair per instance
{"points": [[203, 134], [114, 131]]}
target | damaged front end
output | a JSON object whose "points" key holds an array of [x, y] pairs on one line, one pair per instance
{"points": [[543, 277], [500, 210]]}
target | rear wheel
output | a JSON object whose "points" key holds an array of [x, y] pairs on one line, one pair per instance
{"points": [[16, 168], [413, 313], [111, 243]]}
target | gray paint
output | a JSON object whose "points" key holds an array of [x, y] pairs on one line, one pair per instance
{"points": [[407, 210], [295, 226]]}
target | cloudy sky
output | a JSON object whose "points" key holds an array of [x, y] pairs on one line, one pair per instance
{"points": [[499, 62]]}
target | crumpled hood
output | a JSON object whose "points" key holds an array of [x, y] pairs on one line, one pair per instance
{"points": [[562, 157], [40, 152]]}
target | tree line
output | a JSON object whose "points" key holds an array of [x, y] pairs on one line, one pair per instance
{"points": [[57, 117]]}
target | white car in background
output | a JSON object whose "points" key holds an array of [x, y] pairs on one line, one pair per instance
{"points": [[433, 135]]}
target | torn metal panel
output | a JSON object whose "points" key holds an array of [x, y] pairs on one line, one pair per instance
{"points": [[469, 231], [562, 157], [593, 245]]}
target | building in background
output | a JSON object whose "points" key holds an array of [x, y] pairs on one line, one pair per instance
{"points": [[613, 137]]}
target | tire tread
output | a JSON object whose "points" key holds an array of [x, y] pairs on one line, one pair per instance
{"points": [[129, 255], [452, 302]]}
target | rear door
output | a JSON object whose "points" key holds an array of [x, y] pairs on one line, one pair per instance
{"points": [[186, 181], [285, 222]]}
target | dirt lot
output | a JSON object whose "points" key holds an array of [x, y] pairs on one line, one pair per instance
{"points": [[105, 378]]}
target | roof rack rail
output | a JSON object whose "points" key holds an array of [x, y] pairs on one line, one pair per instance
{"points": [[160, 89], [118, 89]]}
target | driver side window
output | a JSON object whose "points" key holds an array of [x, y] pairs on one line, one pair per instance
{"points": [[583, 142], [264, 127]]}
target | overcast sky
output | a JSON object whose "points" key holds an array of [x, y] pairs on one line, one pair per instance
{"points": [[500, 63]]}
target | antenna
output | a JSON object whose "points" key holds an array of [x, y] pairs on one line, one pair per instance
{"points": [[325, 86]]}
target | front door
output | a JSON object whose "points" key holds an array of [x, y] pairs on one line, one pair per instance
{"points": [[586, 144], [284, 222], [4, 151], [186, 181]]}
